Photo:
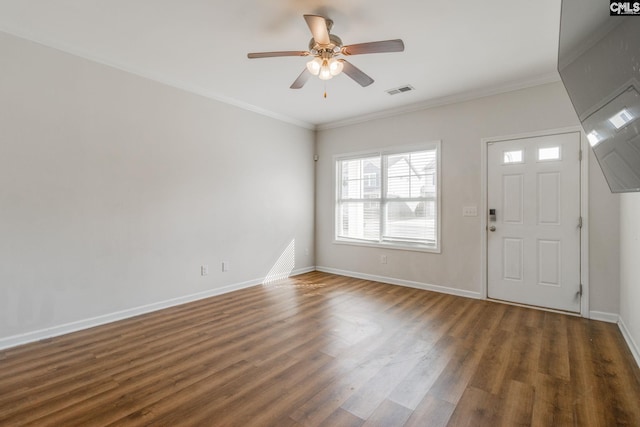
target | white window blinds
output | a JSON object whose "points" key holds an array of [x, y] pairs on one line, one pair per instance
{"points": [[389, 198]]}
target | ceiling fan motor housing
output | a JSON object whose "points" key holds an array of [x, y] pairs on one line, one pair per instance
{"points": [[333, 46]]}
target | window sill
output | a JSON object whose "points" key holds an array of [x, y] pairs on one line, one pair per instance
{"points": [[416, 247]]}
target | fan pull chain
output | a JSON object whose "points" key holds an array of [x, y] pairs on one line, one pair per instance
{"points": [[325, 90]]}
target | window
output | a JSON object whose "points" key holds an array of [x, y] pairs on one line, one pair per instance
{"points": [[371, 179], [621, 118], [548, 153], [512, 157], [389, 198]]}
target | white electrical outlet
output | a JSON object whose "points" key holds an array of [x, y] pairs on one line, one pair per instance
{"points": [[204, 270], [383, 259], [225, 265]]}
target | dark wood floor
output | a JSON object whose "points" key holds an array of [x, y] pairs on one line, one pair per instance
{"points": [[327, 350]]}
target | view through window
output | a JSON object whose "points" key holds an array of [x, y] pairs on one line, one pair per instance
{"points": [[389, 198]]}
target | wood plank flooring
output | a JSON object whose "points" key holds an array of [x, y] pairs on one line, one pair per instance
{"points": [[326, 350]]}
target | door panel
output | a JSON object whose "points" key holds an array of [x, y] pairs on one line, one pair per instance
{"points": [[513, 259], [549, 198], [549, 262], [513, 200], [534, 248]]}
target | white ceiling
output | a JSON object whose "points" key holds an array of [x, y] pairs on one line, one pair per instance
{"points": [[453, 49]]}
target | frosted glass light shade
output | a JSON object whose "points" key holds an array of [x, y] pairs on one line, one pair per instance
{"points": [[325, 73], [314, 66], [325, 68], [335, 67]]}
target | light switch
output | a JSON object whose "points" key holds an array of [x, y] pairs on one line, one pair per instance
{"points": [[470, 211]]}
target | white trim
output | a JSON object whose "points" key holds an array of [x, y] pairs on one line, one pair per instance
{"points": [[299, 271], [547, 78], [400, 245], [633, 346], [383, 153], [584, 232], [551, 77], [584, 207], [67, 328], [174, 83], [484, 209], [401, 282], [603, 316]]}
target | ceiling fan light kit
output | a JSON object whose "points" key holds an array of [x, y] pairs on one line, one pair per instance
{"points": [[325, 47], [325, 69]]}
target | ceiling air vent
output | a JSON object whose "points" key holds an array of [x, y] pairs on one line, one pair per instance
{"points": [[401, 89]]}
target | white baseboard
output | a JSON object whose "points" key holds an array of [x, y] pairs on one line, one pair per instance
{"points": [[67, 328], [300, 271], [604, 316], [402, 282], [633, 346]]}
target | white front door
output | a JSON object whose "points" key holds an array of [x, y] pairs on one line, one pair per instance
{"points": [[533, 241]]}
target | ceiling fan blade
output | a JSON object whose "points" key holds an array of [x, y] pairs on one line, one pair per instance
{"points": [[318, 26], [374, 47], [301, 80], [356, 74], [274, 54]]}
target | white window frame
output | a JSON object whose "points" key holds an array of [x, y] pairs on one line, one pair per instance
{"points": [[383, 153]]}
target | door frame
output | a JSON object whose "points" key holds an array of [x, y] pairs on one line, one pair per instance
{"points": [[584, 207]]}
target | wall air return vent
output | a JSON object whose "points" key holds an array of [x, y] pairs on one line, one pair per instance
{"points": [[401, 89]]}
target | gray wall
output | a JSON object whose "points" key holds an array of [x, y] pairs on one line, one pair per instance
{"points": [[461, 127], [630, 269], [115, 189]]}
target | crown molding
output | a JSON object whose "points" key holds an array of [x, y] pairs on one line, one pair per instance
{"points": [[187, 87], [446, 100], [194, 89]]}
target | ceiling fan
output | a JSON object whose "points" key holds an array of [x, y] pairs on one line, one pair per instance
{"points": [[325, 48]]}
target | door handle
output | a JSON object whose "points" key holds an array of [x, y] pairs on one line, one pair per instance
{"points": [[492, 228]]}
